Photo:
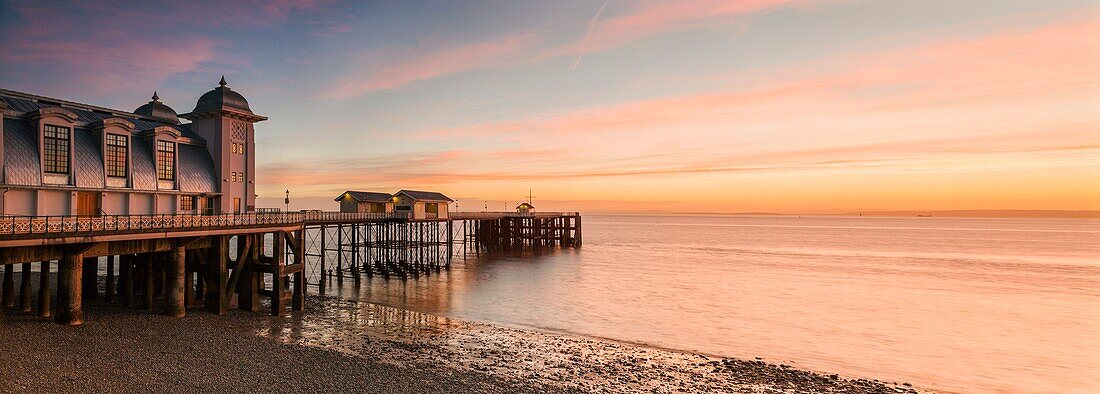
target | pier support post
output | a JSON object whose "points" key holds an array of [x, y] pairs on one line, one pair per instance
{"points": [[188, 288], [89, 276], [248, 296], [44, 289], [217, 295], [147, 287], [126, 279], [70, 272], [278, 279], [322, 277], [25, 293], [174, 298], [299, 301], [8, 296], [109, 287]]}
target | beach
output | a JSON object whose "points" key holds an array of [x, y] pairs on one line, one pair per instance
{"points": [[340, 345]]}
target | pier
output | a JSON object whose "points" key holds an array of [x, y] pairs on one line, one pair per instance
{"points": [[174, 263]]}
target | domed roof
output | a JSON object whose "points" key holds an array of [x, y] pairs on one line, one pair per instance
{"points": [[156, 110], [221, 97]]}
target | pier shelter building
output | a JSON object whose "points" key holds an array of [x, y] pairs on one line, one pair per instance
{"points": [[366, 202], [421, 204]]}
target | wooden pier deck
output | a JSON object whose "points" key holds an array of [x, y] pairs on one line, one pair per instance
{"points": [[175, 262]]}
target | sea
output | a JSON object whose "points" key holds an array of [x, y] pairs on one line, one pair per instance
{"points": [[947, 304]]}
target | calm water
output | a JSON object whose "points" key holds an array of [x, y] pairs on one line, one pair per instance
{"points": [[943, 303]]}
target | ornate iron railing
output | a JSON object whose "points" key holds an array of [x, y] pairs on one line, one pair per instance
{"points": [[494, 215], [59, 225]]}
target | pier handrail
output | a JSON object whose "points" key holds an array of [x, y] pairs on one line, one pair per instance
{"points": [[493, 215], [71, 224], [12, 225]]}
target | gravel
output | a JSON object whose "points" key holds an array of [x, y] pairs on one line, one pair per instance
{"points": [[340, 345]]}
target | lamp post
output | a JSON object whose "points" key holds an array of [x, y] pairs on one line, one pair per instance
{"points": [[286, 200]]}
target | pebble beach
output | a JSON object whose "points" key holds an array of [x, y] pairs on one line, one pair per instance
{"points": [[340, 345]]}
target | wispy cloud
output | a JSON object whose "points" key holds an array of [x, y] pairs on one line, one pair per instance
{"points": [[405, 67], [388, 69], [108, 47], [591, 26]]}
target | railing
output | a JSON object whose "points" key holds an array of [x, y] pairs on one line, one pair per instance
{"points": [[494, 215], [60, 225], [319, 216]]}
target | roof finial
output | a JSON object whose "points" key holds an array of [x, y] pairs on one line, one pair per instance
{"points": [[222, 82], [155, 97]]}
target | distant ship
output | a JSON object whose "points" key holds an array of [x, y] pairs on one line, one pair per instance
{"points": [[924, 216]]}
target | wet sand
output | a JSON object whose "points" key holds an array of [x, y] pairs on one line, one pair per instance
{"points": [[343, 345]]}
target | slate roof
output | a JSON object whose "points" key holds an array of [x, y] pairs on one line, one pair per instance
{"points": [[425, 196], [196, 170], [88, 164], [143, 173], [20, 154], [366, 196], [21, 162], [90, 114]]}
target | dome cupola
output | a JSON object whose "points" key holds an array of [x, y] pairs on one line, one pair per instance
{"points": [[156, 110], [223, 101], [222, 97]]}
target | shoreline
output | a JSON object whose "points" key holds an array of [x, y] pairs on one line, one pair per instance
{"points": [[393, 345]]}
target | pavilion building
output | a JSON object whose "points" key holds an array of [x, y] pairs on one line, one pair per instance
{"points": [[59, 157]]}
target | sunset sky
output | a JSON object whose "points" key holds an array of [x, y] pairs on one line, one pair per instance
{"points": [[620, 105]]}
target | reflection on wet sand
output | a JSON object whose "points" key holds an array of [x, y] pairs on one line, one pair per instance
{"points": [[410, 338]]}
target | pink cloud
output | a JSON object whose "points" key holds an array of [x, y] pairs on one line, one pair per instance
{"points": [[395, 68], [96, 48], [656, 17], [1011, 65], [1015, 98], [413, 67]]}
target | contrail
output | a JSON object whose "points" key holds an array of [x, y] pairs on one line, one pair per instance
{"points": [[584, 42]]}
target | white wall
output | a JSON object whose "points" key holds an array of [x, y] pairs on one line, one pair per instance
{"points": [[20, 202], [115, 203], [54, 202], [141, 204], [166, 203]]}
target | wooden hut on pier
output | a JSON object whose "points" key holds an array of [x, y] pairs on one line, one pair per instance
{"points": [[422, 205], [365, 202]]}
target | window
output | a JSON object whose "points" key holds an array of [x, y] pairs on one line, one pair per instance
{"points": [[187, 203], [240, 148], [166, 160], [116, 155], [234, 176], [55, 149], [237, 148]]}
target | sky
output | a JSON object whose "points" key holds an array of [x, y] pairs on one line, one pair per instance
{"points": [[791, 106]]}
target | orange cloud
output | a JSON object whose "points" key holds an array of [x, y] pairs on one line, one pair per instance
{"points": [[866, 93]]}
